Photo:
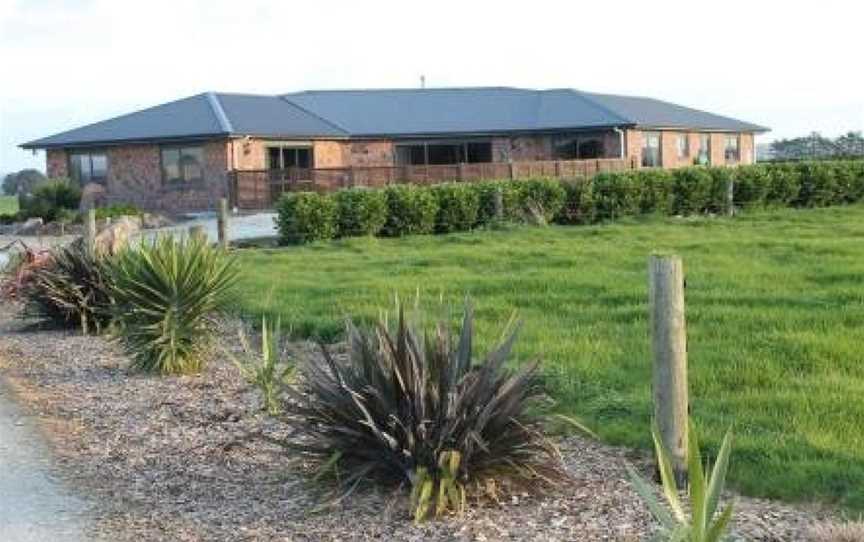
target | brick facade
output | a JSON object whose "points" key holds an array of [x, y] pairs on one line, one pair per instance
{"points": [[56, 163], [669, 147]]}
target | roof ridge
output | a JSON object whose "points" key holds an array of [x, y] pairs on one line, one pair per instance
{"points": [[406, 89], [600, 106], [316, 115], [219, 112]]}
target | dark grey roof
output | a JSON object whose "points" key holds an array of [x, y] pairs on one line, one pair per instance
{"points": [[388, 112], [648, 112]]}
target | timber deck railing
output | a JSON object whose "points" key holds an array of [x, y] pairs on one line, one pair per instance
{"points": [[260, 189]]}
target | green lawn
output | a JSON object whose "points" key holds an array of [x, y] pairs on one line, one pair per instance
{"points": [[8, 205], [775, 309]]}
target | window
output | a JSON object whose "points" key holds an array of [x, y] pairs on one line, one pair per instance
{"points": [[651, 149], [704, 157], [577, 147], [289, 157], [443, 152], [88, 167], [683, 146], [182, 164], [731, 152]]}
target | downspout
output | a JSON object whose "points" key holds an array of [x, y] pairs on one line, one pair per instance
{"points": [[621, 141]]}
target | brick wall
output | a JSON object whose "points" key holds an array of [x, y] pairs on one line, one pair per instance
{"points": [[669, 147], [371, 153], [56, 163]]}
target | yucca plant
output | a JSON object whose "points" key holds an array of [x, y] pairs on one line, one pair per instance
{"points": [[164, 291], [418, 410], [267, 375], [701, 525], [73, 286]]}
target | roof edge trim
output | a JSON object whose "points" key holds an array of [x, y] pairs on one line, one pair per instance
{"points": [[219, 113]]}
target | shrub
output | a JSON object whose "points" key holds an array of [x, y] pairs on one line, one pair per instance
{"points": [[856, 170], [819, 185], [413, 408], [692, 190], [538, 199], [579, 204], [72, 287], [410, 210], [784, 183], [751, 186], [164, 290], [116, 210], [704, 493], [49, 198], [360, 211], [510, 201], [305, 216], [616, 195], [458, 205], [654, 187], [266, 374]]}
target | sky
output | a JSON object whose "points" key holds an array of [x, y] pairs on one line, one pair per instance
{"points": [[793, 66]]}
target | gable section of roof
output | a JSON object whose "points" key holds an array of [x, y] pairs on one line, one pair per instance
{"points": [[264, 115], [652, 113], [187, 117]]}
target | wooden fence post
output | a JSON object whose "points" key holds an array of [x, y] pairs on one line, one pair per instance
{"points": [[669, 345], [730, 197], [498, 203], [222, 223], [90, 230], [512, 170]]}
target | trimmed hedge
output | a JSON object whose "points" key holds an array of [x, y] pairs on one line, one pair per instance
{"points": [[305, 216], [412, 209], [360, 211]]}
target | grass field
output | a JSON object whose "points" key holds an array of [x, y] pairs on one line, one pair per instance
{"points": [[775, 308], [8, 205]]}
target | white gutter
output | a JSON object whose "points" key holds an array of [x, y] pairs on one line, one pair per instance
{"points": [[621, 140]]}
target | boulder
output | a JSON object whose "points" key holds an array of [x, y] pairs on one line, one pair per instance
{"points": [[151, 221], [30, 227], [116, 235], [92, 196]]}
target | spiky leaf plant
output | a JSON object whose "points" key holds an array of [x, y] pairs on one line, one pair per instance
{"points": [[165, 289], [701, 526], [419, 410], [265, 369], [72, 287]]}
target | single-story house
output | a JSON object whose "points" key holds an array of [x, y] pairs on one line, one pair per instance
{"points": [[186, 154]]}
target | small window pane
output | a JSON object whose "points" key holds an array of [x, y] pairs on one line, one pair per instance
{"points": [[304, 158], [98, 167], [171, 165], [651, 149], [479, 152], [274, 158], [589, 148], [683, 147], [191, 163], [704, 149], [731, 151], [444, 154]]}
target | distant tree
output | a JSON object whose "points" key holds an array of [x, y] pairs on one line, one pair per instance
{"points": [[22, 182], [851, 144], [817, 146]]}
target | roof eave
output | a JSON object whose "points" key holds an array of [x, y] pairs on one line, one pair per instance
{"points": [[746, 128], [38, 144]]}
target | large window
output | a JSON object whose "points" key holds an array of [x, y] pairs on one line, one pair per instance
{"points": [[651, 149], [444, 152], [88, 167], [704, 149], [182, 164], [732, 150], [577, 147], [683, 146], [289, 157]]}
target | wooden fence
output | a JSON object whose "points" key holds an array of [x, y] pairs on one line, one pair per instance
{"points": [[259, 189]]}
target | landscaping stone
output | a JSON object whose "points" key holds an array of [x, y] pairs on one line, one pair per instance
{"points": [[30, 227], [117, 234], [183, 458]]}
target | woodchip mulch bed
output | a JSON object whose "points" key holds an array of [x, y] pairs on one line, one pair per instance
{"points": [[177, 458]]}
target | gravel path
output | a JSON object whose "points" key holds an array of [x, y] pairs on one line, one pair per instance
{"points": [[175, 458]]}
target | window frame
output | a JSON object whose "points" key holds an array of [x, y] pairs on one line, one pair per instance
{"points": [[181, 179], [659, 149], [735, 150], [75, 172], [293, 148], [408, 149], [683, 150]]}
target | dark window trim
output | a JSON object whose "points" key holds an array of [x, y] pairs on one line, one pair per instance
{"points": [[182, 181], [70, 153], [425, 143], [291, 146]]}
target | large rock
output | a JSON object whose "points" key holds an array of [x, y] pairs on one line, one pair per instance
{"points": [[151, 221], [30, 227], [116, 235], [92, 196]]}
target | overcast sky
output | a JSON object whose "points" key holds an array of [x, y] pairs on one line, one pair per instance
{"points": [[793, 66]]}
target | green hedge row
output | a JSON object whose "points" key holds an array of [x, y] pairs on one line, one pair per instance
{"points": [[411, 209]]}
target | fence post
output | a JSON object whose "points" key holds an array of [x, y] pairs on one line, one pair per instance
{"points": [[669, 345], [512, 170], [730, 197], [498, 203], [90, 230], [222, 223]]}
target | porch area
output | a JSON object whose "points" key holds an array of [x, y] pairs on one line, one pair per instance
{"points": [[260, 189]]}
